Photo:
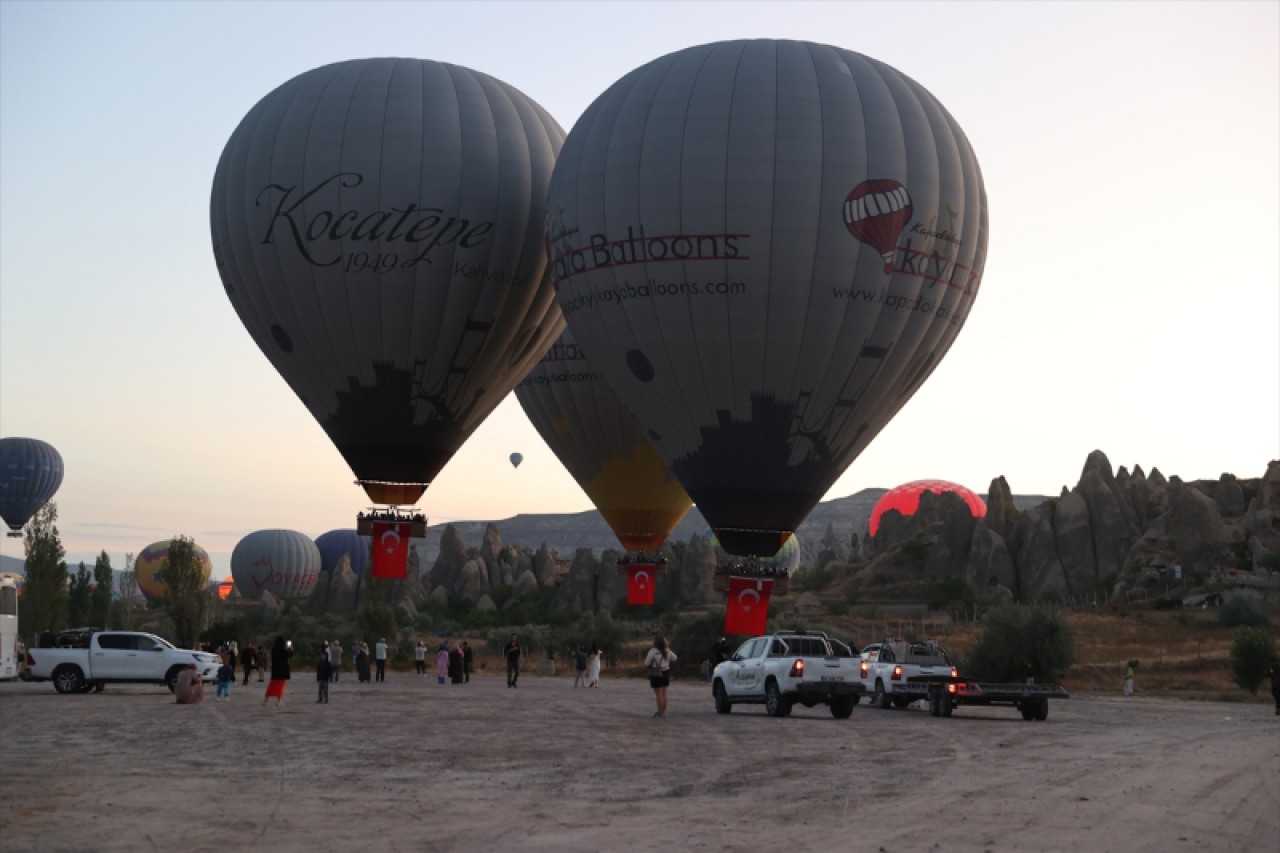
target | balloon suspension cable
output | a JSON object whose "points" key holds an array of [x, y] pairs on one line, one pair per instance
{"points": [[750, 567]]}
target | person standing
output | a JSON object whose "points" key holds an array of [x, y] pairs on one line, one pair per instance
{"points": [[579, 667], [455, 664], [719, 653], [512, 652], [280, 652], [261, 658], [420, 657], [362, 662], [658, 663], [335, 658], [248, 660], [593, 667], [442, 663], [324, 671], [380, 658], [226, 675], [1128, 677], [467, 658], [1275, 683]]}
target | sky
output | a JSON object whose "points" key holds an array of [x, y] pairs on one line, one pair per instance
{"points": [[1130, 302]]}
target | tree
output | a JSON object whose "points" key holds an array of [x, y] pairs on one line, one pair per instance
{"points": [[100, 598], [78, 598], [1252, 651], [43, 603], [128, 596], [188, 594], [376, 618], [1020, 641]]}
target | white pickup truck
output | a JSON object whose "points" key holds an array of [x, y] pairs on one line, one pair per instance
{"points": [[115, 657], [894, 671], [781, 669]]}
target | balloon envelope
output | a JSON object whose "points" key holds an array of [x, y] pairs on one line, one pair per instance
{"points": [[30, 474], [378, 227], [766, 247], [337, 544], [148, 568], [602, 447], [906, 499], [285, 563], [516, 459]]}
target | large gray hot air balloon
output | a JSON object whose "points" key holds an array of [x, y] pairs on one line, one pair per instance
{"points": [[766, 247], [285, 563], [378, 226], [599, 443]]}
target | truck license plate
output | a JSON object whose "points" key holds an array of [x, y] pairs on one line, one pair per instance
{"points": [[833, 678]]}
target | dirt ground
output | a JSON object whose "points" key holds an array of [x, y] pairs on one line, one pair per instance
{"points": [[409, 765]]}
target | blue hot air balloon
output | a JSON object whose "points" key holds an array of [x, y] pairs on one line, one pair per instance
{"points": [[337, 544], [30, 474]]}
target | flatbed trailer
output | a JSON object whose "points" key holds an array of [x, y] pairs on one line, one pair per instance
{"points": [[945, 694]]}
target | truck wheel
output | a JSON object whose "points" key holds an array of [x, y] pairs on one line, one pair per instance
{"points": [[880, 699], [1028, 712], [901, 701], [1042, 709], [774, 703], [856, 698], [67, 679], [171, 679], [935, 704], [723, 705], [947, 706], [842, 707]]}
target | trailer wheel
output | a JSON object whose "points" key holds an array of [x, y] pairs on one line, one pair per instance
{"points": [[1028, 712], [842, 707], [1042, 709], [723, 705], [99, 686], [67, 679], [774, 703]]}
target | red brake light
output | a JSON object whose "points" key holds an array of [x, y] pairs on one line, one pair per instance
{"points": [[797, 668], [955, 673], [951, 688], [897, 673], [863, 669], [30, 660]]}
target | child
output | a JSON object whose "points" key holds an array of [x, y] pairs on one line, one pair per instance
{"points": [[324, 671], [226, 675]]}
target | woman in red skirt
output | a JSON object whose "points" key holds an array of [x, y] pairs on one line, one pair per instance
{"points": [[280, 653]]}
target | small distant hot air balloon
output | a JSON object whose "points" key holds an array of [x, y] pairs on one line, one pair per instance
{"points": [[149, 568], [30, 474], [906, 499], [337, 544], [516, 459], [225, 588], [285, 563], [378, 227], [766, 247]]}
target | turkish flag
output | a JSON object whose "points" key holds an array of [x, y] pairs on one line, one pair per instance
{"points": [[748, 606], [640, 583], [391, 549]]}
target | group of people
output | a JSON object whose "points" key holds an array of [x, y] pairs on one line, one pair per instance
{"points": [[453, 662], [586, 667]]}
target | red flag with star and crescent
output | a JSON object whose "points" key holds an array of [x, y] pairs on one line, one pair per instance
{"points": [[391, 549], [748, 606], [640, 583]]}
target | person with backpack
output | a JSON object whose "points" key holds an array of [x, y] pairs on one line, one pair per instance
{"points": [[658, 665]]}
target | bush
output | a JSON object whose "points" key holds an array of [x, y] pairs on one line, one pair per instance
{"points": [[1020, 641], [1239, 611], [591, 630], [1252, 651], [951, 594], [692, 639]]}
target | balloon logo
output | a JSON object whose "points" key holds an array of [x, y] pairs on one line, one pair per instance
{"points": [[516, 459], [747, 605], [876, 212]]}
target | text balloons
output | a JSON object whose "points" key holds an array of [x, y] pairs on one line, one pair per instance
{"points": [[906, 500], [765, 247], [516, 459], [337, 544], [285, 563], [148, 568], [30, 474], [378, 226], [602, 448]]}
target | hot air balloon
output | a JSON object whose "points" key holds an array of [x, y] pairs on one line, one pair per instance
{"points": [[337, 544], [285, 563], [906, 499], [599, 443], [225, 588], [378, 227], [30, 474], [516, 459], [720, 221], [148, 568]]}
